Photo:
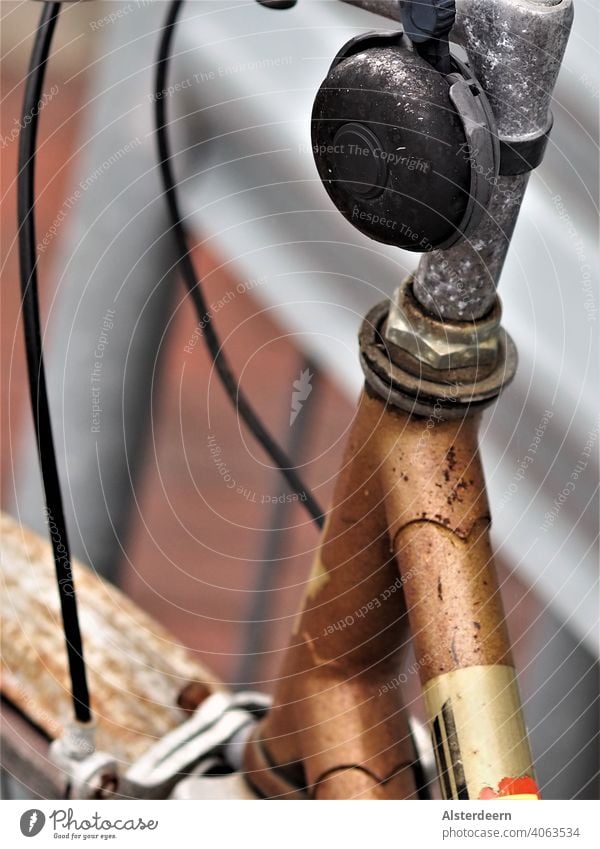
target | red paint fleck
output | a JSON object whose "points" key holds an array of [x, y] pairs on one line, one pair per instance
{"points": [[524, 786]]}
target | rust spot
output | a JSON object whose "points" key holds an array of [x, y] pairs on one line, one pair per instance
{"points": [[109, 783], [439, 590], [451, 458], [192, 695], [442, 520], [454, 496], [453, 650]]}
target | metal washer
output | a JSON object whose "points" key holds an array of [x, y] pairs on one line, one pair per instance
{"points": [[422, 397]]}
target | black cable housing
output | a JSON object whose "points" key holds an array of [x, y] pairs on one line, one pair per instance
{"points": [[35, 359], [186, 268]]}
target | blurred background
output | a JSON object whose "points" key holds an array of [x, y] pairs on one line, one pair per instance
{"points": [[222, 566]]}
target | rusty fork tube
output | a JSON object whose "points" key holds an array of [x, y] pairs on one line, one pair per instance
{"points": [[331, 727], [410, 497], [439, 520]]}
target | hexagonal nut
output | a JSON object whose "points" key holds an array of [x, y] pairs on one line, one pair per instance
{"points": [[442, 345]]}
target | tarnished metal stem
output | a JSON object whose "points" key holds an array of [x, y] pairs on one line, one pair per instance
{"points": [[515, 48], [459, 284]]}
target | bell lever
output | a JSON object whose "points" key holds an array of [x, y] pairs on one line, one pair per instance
{"points": [[428, 26]]}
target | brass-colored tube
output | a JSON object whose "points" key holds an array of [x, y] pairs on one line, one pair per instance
{"points": [[438, 518], [346, 647], [409, 525]]}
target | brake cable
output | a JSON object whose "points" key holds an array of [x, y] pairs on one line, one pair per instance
{"points": [[194, 284], [35, 360], [36, 373]]}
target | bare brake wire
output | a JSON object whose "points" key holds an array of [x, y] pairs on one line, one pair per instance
{"points": [[194, 285]]}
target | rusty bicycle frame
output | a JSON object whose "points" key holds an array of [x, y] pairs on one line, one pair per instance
{"points": [[405, 555], [410, 501]]}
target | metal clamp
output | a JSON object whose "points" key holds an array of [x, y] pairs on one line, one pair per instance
{"points": [[210, 741], [90, 774], [482, 146], [518, 156], [217, 729]]}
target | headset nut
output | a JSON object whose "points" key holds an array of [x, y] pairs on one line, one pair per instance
{"points": [[441, 345]]}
